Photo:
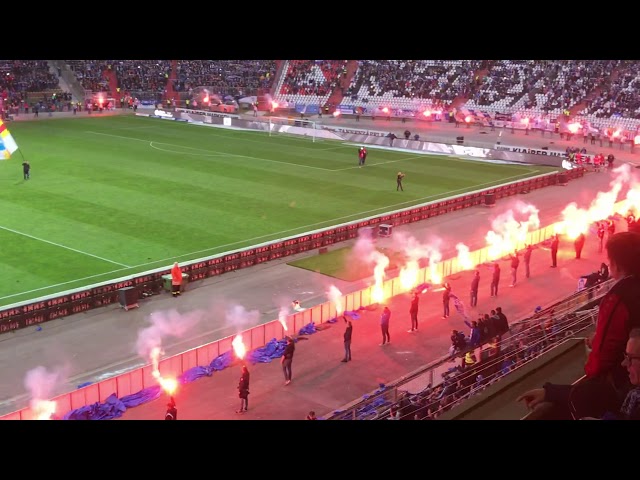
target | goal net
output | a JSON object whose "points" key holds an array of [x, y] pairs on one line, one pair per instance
{"points": [[293, 127]]}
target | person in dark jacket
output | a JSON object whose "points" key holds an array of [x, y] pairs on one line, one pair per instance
{"points": [[446, 296], [578, 245], [287, 360], [603, 272], [527, 260], [243, 390], [630, 409], [384, 326], [495, 280], [555, 242], [413, 312], [172, 411], [347, 340], [26, 168], [607, 382], [475, 283], [502, 325], [515, 262]]}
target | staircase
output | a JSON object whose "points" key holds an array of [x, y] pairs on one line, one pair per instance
{"points": [[112, 78], [171, 93], [336, 96]]}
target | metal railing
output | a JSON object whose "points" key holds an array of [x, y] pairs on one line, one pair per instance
{"points": [[525, 341]]}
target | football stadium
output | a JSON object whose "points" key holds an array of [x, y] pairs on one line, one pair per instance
{"points": [[169, 225]]}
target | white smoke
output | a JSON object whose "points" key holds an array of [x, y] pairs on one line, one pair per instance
{"points": [[165, 324]]}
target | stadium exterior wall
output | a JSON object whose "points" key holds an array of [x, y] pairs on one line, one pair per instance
{"points": [[51, 307]]}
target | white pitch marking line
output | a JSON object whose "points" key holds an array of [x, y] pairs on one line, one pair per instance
{"points": [[63, 246], [214, 151]]}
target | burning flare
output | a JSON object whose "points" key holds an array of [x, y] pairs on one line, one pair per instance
{"points": [[382, 262], [335, 296], [238, 347], [43, 409], [169, 385], [409, 275], [282, 317], [508, 232], [464, 258]]}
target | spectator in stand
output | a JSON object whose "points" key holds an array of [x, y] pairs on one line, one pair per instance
{"points": [[630, 409], [458, 342], [607, 382], [474, 335], [502, 324]]}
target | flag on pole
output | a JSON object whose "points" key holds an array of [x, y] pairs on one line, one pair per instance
{"points": [[7, 144], [459, 306]]}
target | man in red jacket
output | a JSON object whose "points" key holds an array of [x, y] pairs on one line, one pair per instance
{"points": [[607, 381], [176, 279]]}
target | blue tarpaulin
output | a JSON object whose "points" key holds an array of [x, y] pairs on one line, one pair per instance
{"points": [[308, 329], [272, 350], [111, 408], [143, 396], [353, 314]]}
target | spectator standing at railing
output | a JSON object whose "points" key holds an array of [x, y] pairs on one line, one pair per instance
{"points": [[607, 382]]}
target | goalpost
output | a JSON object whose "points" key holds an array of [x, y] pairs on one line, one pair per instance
{"points": [[294, 127]]}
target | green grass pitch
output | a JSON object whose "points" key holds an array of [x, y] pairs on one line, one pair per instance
{"points": [[113, 196]]}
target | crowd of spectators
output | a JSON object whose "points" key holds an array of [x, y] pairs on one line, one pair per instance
{"points": [[621, 97], [436, 80], [26, 76], [498, 358], [609, 88], [90, 74], [543, 84], [312, 77], [225, 77], [145, 77]]}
